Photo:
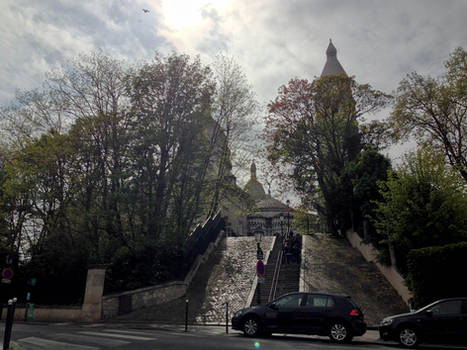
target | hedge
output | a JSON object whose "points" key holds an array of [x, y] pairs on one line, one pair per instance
{"points": [[437, 272]]}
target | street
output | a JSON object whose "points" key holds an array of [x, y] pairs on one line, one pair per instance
{"points": [[68, 336]]}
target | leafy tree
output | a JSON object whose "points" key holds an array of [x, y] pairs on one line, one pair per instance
{"points": [[370, 168], [313, 130], [110, 164], [435, 110], [233, 112], [171, 151], [424, 204]]}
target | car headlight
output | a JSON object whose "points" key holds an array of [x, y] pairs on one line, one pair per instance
{"points": [[387, 322]]}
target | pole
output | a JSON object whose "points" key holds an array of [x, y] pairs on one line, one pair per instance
{"points": [[186, 315], [227, 317], [9, 323], [259, 292]]}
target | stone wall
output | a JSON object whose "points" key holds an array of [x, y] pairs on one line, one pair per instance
{"points": [[49, 314], [91, 310], [121, 303], [389, 272]]}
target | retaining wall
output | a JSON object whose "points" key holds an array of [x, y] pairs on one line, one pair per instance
{"points": [[389, 272], [49, 313], [125, 302]]}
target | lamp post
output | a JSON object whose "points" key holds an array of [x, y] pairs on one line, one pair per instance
{"points": [[282, 229], [258, 237], [288, 219], [259, 256]]}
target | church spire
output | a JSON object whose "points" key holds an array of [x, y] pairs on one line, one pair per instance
{"points": [[332, 65], [253, 170]]}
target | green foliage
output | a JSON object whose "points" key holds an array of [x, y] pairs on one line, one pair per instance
{"points": [[433, 272], [365, 173], [305, 222], [313, 129], [435, 111], [122, 184], [424, 204]]}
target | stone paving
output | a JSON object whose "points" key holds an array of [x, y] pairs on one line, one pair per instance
{"points": [[331, 265], [328, 265], [231, 279]]}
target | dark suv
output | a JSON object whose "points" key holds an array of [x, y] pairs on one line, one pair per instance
{"points": [[444, 320], [304, 313]]}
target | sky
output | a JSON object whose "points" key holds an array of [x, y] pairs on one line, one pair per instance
{"points": [[378, 42]]}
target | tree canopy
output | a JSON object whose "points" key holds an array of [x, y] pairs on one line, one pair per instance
{"points": [[314, 134], [423, 204], [114, 164], [435, 110]]}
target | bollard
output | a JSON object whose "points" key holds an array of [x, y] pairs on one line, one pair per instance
{"points": [[9, 323], [186, 315], [227, 317]]}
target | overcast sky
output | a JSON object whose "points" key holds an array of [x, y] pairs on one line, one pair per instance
{"points": [[378, 42]]}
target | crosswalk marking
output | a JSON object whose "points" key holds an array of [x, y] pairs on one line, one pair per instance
{"points": [[55, 345], [128, 332], [124, 336], [80, 339]]}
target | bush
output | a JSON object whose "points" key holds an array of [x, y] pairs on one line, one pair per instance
{"points": [[437, 272]]}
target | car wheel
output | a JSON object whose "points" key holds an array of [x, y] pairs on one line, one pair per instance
{"points": [[408, 337], [251, 326], [340, 333]]}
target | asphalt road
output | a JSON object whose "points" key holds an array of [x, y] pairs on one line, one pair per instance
{"points": [[122, 337]]}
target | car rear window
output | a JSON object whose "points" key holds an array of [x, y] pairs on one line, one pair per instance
{"points": [[447, 308]]}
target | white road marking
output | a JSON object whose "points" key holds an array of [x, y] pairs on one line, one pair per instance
{"points": [[83, 339], [123, 336], [128, 332]]}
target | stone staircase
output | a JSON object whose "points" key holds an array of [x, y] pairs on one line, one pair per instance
{"points": [[287, 278], [331, 265]]}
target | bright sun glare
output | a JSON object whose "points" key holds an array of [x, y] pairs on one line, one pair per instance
{"points": [[181, 14]]}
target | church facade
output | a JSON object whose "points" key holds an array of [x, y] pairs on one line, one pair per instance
{"points": [[270, 216]]}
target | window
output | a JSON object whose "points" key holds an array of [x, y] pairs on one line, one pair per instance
{"points": [[319, 301], [293, 300], [447, 308]]}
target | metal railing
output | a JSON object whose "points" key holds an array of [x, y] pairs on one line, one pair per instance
{"points": [[275, 276]]}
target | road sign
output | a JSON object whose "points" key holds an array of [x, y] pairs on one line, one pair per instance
{"points": [[5, 281], [260, 268], [7, 273]]}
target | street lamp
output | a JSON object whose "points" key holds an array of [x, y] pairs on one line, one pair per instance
{"points": [[288, 218], [258, 237]]}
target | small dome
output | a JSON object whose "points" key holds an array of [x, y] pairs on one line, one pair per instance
{"points": [[270, 203]]}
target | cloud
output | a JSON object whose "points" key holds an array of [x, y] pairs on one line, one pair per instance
{"points": [[273, 40], [39, 36]]}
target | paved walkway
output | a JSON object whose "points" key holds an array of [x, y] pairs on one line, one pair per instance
{"points": [[331, 265], [232, 278]]}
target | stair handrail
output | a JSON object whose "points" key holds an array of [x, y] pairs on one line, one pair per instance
{"points": [[275, 277]]}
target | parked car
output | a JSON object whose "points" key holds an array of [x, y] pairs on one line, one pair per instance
{"points": [[303, 313], [444, 320]]}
